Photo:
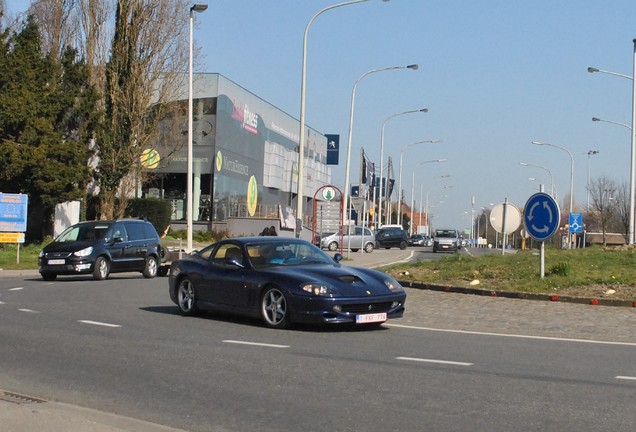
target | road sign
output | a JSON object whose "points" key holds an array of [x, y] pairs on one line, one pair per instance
{"points": [[11, 237], [541, 216], [513, 217], [575, 222], [328, 193], [13, 212]]}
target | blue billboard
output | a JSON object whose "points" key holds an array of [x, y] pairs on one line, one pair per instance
{"points": [[13, 212]]}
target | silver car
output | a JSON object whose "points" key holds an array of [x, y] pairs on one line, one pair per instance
{"points": [[355, 238], [446, 240]]}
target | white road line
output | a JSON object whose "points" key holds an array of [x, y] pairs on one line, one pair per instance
{"points": [[16, 289], [1, 302], [422, 360], [513, 335], [255, 344], [621, 377], [28, 310], [97, 323]]}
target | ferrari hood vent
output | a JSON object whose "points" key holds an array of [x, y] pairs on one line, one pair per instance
{"points": [[349, 279]]}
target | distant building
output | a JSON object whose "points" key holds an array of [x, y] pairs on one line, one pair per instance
{"points": [[245, 156]]}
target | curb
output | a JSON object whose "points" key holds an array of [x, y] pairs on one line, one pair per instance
{"points": [[520, 295]]}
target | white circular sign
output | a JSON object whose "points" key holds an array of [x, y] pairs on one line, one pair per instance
{"points": [[513, 217], [328, 193]]}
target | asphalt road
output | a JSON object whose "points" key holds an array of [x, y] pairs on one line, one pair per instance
{"points": [[454, 362]]}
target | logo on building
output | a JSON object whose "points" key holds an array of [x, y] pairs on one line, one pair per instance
{"points": [[149, 159], [248, 119], [252, 195], [219, 161]]}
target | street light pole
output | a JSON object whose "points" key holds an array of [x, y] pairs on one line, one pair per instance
{"points": [[347, 207], [589, 154], [632, 171], [413, 191], [301, 134], [197, 7], [543, 168], [571, 176], [630, 234], [400, 195], [382, 158]]}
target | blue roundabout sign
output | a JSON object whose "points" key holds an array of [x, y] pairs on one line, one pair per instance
{"points": [[541, 216]]}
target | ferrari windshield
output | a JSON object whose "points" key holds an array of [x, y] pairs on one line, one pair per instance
{"points": [[282, 252]]}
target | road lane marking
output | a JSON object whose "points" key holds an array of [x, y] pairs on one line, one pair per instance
{"points": [[512, 335], [16, 289], [97, 323], [28, 310], [445, 362], [255, 344], [622, 377]]}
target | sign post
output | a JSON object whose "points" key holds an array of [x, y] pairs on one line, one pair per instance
{"points": [[541, 218], [13, 219]]}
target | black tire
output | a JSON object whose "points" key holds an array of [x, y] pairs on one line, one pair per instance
{"points": [[403, 245], [274, 309], [368, 248], [354, 250], [151, 267], [332, 246], [101, 269], [49, 276], [187, 298], [164, 253]]}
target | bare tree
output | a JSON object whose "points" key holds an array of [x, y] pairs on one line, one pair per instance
{"points": [[622, 210], [138, 53], [603, 196]]}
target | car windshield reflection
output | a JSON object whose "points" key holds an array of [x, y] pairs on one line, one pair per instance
{"points": [[279, 253]]}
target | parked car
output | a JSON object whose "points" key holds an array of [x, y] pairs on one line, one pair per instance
{"points": [[391, 237], [420, 240], [446, 240], [282, 280], [103, 247], [355, 239], [416, 240]]}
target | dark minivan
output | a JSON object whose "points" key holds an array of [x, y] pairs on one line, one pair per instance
{"points": [[101, 248], [391, 237]]}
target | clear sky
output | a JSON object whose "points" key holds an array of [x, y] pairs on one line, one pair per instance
{"points": [[494, 74]]}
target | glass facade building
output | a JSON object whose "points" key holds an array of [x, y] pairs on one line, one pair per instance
{"points": [[245, 156]]}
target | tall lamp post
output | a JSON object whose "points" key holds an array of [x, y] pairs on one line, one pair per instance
{"points": [[413, 190], [571, 176], [382, 185], [589, 154], [400, 197], [632, 174], [197, 7], [347, 207], [543, 168], [301, 135]]}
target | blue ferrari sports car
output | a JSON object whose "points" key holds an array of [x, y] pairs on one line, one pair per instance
{"points": [[282, 281]]}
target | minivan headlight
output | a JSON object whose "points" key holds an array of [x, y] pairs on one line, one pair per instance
{"points": [[84, 252]]}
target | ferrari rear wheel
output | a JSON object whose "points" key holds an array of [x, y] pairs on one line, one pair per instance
{"points": [[187, 298], [274, 308]]}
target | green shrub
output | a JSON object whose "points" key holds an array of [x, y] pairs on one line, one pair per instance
{"points": [[156, 211]]}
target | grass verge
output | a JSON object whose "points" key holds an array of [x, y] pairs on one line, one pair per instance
{"points": [[589, 272]]}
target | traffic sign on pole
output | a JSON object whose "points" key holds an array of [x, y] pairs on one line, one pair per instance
{"points": [[541, 216]]}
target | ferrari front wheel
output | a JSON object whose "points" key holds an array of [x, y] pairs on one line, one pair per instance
{"points": [[274, 308]]}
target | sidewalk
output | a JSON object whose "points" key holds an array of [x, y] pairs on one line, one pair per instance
{"points": [[20, 413]]}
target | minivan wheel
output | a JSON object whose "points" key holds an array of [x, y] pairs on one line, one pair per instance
{"points": [[150, 269], [102, 268], [49, 276], [403, 245]]}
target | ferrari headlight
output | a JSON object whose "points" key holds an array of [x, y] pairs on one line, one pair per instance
{"points": [[393, 285], [84, 252], [317, 289]]}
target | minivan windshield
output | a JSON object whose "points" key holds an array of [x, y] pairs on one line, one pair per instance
{"points": [[83, 232]]}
